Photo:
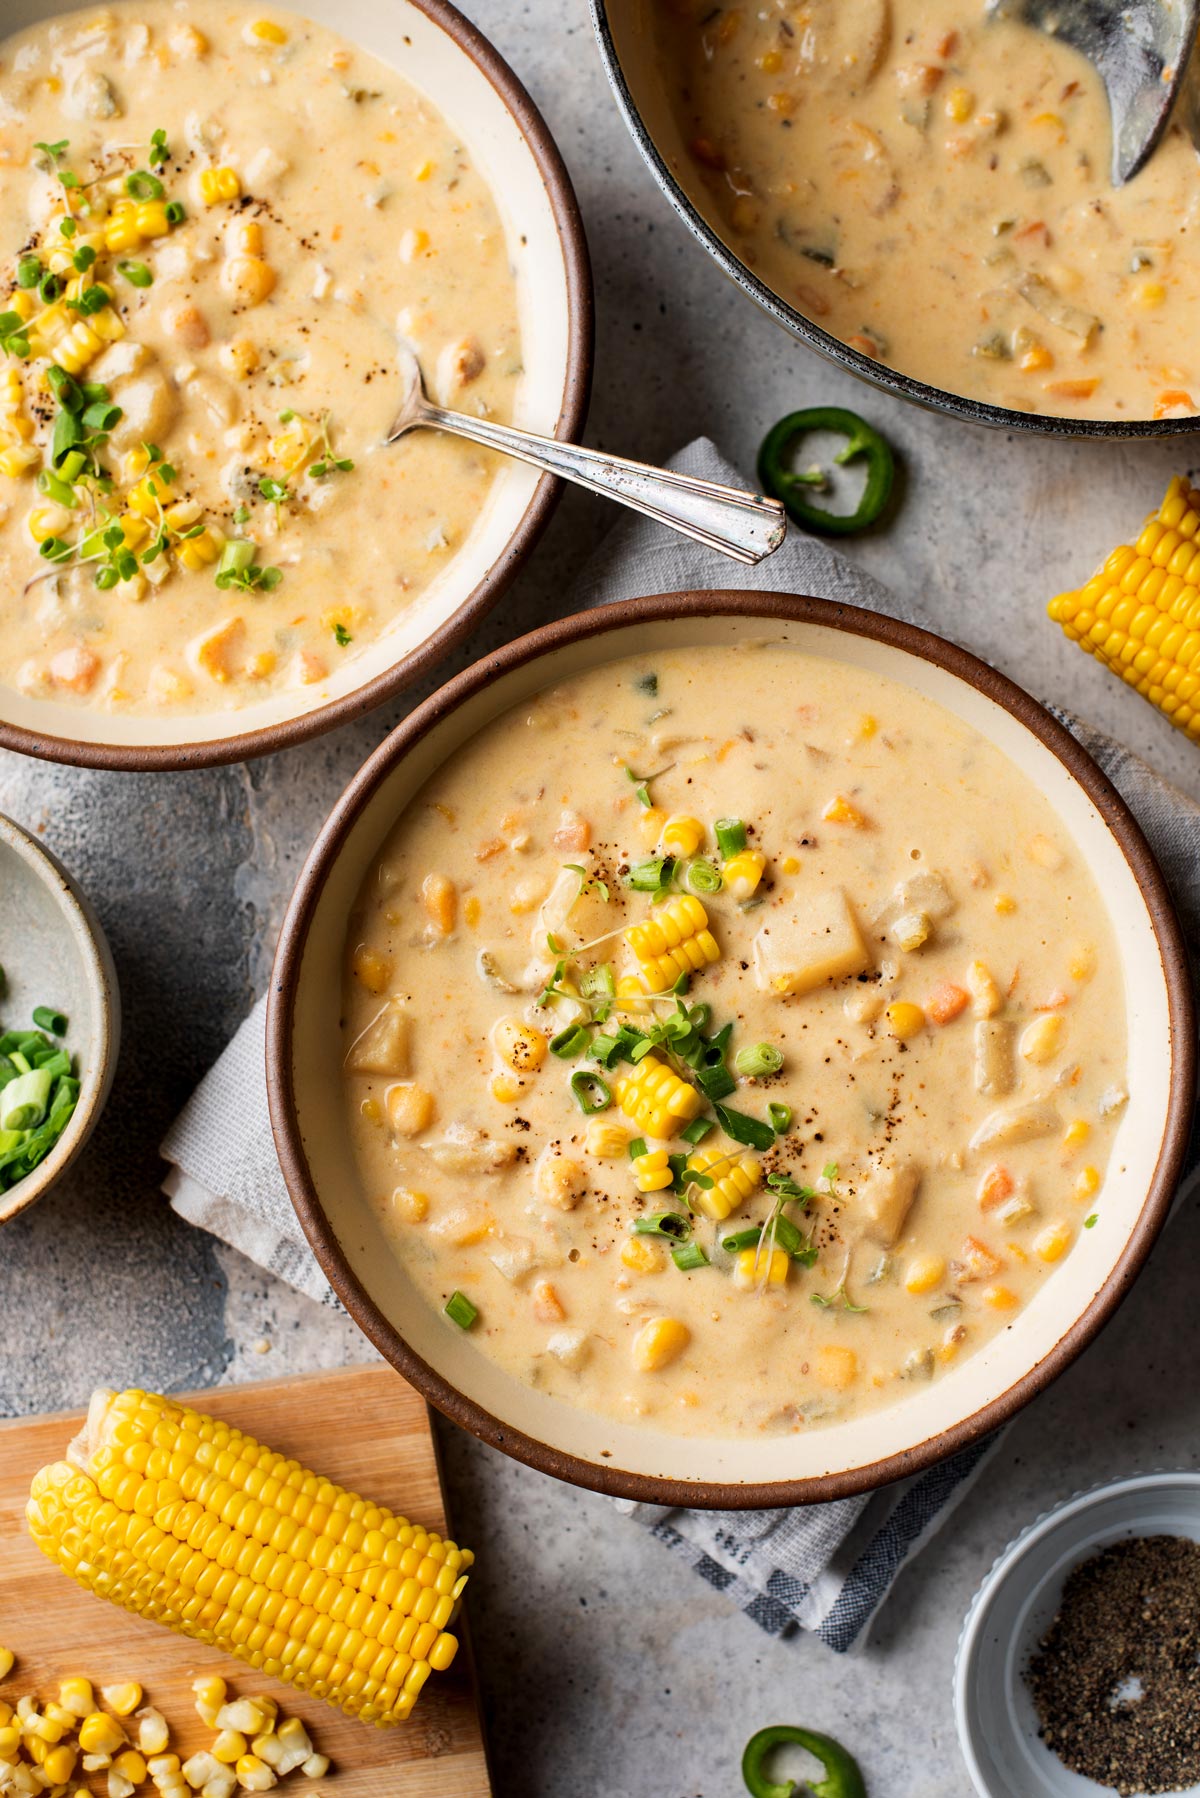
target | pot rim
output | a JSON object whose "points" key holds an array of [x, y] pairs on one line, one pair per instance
{"points": [[791, 608]]}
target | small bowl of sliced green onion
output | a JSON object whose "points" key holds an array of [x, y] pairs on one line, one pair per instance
{"points": [[59, 1019]]}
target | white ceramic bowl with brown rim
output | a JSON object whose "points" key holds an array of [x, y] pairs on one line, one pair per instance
{"points": [[439, 52], [638, 1461]]}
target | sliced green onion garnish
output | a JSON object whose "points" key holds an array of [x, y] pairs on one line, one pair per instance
{"points": [[760, 1058], [697, 1131], [176, 212], [591, 1093], [136, 273], [460, 1310], [29, 271], [650, 876], [751, 1131], [730, 835], [144, 186], [72, 466], [690, 1255], [637, 1147], [742, 1239], [781, 1118], [598, 983], [570, 1042], [664, 1223], [101, 414], [702, 877], [237, 554], [716, 1082], [25, 1100], [49, 484], [786, 1235], [49, 288]]}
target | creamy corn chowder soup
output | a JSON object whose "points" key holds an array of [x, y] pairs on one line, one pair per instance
{"points": [[731, 1038], [216, 224], [932, 187]]}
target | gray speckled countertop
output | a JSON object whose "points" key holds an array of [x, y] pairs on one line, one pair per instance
{"points": [[606, 1671]]}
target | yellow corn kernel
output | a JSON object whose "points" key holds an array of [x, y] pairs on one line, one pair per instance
{"points": [[134, 528], [652, 1171], [659, 1342], [265, 31], [372, 970], [244, 235], [123, 1698], [239, 358], [231, 1744], [121, 230], [21, 302], [923, 1273], [472, 912], [631, 994], [985, 994], [790, 865], [904, 1020], [209, 1692], [131, 1765], [439, 896], [655, 1099], [1149, 295], [292, 448], [182, 514], [1053, 1242], [1075, 1135], [254, 1775], [423, 169], [413, 1207], [1004, 903], [59, 1763], [153, 1736], [219, 184], [960, 104], [681, 835], [521, 1045], [506, 1089], [248, 278], [840, 811], [742, 873], [1081, 964], [75, 1695], [65, 1719], [18, 459], [1000, 1298], [150, 494], [604, 1140], [1041, 1040], [650, 825], [410, 1108], [836, 1367], [643, 1256], [735, 1177], [135, 462], [151, 219], [10, 1741], [99, 1734], [199, 552], [1087, 1183], [759, 1267]]}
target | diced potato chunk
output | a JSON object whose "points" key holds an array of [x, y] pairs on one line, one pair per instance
{"points": [[994, 1075], [382, 1048], [1016, 1123], [884, 1199], [816, 941]]}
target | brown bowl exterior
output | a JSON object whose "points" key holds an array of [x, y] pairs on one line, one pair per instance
{"points": [[594, 1474], [877, 374], [568, 428]]}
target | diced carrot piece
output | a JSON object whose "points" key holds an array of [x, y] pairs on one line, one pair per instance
{"points": [[486, 851], [706, 153], [994, 1188], [975, 1261], [573, 833], [547, 1306], [1174, 402], [1053, 1001], [946, 1001], [1072, 390]]}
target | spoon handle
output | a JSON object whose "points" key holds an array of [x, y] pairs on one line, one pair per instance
{"points": [[747, 526]]}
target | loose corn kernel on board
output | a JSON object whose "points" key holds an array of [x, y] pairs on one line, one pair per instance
{"points": [[365, 1428]]}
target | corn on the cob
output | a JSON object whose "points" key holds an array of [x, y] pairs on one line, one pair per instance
{"points": [[676, 942], [1139, 615], [182, 1518], [655, 1099], [734, 1177]]}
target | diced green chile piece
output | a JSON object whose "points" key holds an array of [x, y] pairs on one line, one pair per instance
{"points": [[843, 1778], [778, 477]]}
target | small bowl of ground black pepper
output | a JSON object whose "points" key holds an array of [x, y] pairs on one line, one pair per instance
{"points": [[1078, 1669]]}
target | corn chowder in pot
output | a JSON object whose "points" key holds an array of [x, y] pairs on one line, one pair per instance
{"points": [[731, 1038], [217, 223], [932, 187]]}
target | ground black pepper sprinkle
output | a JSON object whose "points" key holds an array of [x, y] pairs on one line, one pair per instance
{"points": [[1116, 1679]]}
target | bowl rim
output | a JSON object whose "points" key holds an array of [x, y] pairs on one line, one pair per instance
{"points": [[1073, 1509], [100, 977], [576, 393], [877, 374], [681, 606]]}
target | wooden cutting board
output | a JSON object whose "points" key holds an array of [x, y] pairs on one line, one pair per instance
{"points": [[365, 1428]]}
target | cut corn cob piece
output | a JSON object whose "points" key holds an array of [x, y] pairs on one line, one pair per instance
{"points": [[1139, 615], [182, 1518], [734, 1177], [652, 1171], [678, 941], [655, 1099]]}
